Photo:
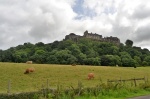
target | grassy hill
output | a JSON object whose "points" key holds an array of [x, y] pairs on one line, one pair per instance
{"points": [[65, 75]]}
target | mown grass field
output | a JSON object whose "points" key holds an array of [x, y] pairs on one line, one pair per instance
{"points": [[65, 75]]}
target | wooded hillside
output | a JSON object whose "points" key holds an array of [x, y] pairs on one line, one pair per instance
{"points": [[85, 51]]}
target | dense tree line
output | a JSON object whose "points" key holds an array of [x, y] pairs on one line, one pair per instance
{"points": [[84, 52]]}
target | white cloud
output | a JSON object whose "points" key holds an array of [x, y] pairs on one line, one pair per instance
{"points": [[48, 20], [33, 21]]}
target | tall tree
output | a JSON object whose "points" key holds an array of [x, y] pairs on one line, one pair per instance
{"points": [[129, 43]]}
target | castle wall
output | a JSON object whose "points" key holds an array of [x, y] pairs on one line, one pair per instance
{"points": [[95, 36], [112, 40]]}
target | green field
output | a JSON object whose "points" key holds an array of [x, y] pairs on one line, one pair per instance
{"points": [[65, 75]]}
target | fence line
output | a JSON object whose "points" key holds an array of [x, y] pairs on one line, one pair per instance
{"points": [[108, 81], [124, 80]]}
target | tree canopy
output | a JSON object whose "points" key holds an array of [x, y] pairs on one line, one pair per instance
{"points": [[84, 52]]}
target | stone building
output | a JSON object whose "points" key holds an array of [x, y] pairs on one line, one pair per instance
{"points": [[94, 36], [111, 39]]}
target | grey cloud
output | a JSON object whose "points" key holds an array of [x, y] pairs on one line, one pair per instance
{"points": [[2, 40], [123, 33], [33, 21], [48, 20], [142, 34], [51, 22], [141, 12]]}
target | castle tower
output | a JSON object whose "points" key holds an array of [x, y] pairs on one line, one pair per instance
{"points": [[85, 33]]}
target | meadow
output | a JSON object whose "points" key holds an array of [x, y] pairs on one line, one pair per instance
{"points": [[65, 75]]}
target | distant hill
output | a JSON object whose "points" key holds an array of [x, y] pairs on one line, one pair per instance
{"points": [[89, 49]]}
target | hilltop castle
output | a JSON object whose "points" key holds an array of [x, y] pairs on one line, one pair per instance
{"points": [[95, 36]]}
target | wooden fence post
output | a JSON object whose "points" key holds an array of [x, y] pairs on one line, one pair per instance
{"points": [[9, 87], [107, 81], [145, 80], [47, 90], [43, 91], [120, 80], [47, 84], [135, 82]]}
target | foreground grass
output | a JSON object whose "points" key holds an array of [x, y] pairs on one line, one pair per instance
{"points": [[118, 94], [65, 75], [101, 92]]}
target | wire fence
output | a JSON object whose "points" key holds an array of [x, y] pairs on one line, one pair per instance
{"points": [[47, 91], [134, 80]]}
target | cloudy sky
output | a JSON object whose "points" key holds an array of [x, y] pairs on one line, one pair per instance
{"points": [[49, 20]]}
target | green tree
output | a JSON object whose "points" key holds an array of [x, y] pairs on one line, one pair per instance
{"points": [[127, 60], [64, 56], [93, 61], [7, 55], [144, 63], [100, 51], [117, 60], [75, 50], [65, 44], [81, 58], [71, 59], [20, 56], [52, 59], [28, 45], [1, 55], [39, 56], [54, 44], [138, 60], [91, 54], [129, 43], [39, 52], [115, 50], [83, 48], [39, 44], [147, 59], [106, 48], [110, 60]]}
